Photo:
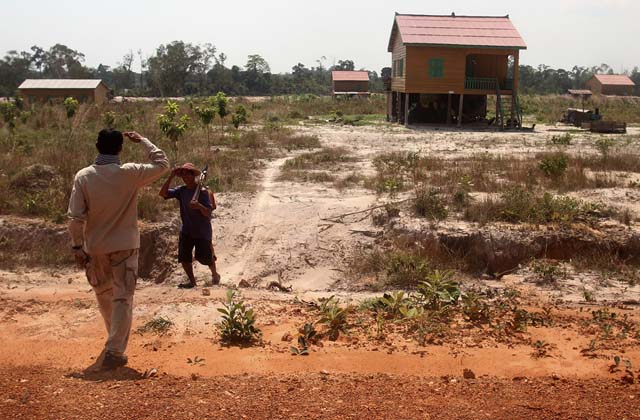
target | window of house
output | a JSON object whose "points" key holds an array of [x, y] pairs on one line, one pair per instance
{"points": [[401, 67], [436, 68]]}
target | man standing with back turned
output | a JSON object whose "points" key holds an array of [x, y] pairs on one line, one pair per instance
{"points": [[104, 231]]}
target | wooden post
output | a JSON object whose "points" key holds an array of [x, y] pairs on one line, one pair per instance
{"points": [[389, 103], [514, 87], [449, 109], [406, 109], [460, 110]]}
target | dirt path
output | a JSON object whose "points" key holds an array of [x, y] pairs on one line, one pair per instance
{"points": [[278, 234]]}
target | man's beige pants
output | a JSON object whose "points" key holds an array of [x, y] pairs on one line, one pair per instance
{"points": [[113, 278]]}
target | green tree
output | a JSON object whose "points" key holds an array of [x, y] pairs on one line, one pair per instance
{"points": [[206, 114], [173, 126], [180, 68], [345, 65], [71, 107], [10, 114], [239, 116], [222, 106]]}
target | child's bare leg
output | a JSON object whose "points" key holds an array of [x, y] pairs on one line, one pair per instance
{"points": [[188, 268], [215, 277]]}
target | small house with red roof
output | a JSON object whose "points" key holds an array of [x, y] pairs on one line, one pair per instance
{"points": [[611, 84], [350, 83], [444, 67]]}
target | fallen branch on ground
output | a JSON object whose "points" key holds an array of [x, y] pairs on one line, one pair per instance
{"points": [[336, 219]]}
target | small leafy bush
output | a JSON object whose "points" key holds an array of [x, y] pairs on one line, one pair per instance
{"points": [[554, 166], [429, 204], [334, 317], [475, 308], [308, 335], [406, 269], [561, 140], [238, 321], [548, 272], [438, 290]]}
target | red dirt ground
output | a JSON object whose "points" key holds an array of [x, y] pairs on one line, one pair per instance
{"points": [[35, 393]]}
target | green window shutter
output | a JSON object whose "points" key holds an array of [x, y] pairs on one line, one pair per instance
{"points": [[401, 67], [436, 68]]}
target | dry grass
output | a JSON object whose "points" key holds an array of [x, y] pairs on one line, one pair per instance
{"points": [[313, 166], [549, 108], [494, 173]]}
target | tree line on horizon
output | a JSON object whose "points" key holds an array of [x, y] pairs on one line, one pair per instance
{"points": [[183, 69]]}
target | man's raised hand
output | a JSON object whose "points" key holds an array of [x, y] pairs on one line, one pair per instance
{"points": [[133, 136]]}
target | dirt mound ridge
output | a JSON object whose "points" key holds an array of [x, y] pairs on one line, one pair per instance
{"points": [[499, 248], [37, 243]]}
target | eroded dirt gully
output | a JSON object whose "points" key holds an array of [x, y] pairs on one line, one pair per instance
{"points": [[52, 333]]}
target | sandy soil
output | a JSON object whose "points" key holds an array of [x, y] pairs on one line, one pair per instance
{"points": [[52, 333]]}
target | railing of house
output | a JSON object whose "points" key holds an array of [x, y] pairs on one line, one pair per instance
{"points": [[487, 83]]}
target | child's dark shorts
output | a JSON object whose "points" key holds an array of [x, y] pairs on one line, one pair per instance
{"points": [[204, 252]]}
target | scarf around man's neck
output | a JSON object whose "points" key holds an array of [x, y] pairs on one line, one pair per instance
{"points": [[107, 159]]}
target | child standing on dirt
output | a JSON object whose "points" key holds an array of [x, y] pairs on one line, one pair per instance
{"points": [[196, 229]]}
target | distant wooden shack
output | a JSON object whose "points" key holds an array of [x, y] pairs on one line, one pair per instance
{"points": [[46, 90], [350, 83], [443, 68], [611, 84]]}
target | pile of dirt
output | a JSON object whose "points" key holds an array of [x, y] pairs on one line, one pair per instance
{"points": [[158, 251], [36, 178], [33, 243], [37, 243], [500, 248]]}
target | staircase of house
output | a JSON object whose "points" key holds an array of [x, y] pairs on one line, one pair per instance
{"points": [[503, 118]]}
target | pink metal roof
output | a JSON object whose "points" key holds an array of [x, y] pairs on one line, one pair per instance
{"points": [[614, 79], [351, 76], [469, 31], [60, 84]]}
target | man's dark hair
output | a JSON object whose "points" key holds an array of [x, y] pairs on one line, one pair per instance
{"points": [[109, 141]]}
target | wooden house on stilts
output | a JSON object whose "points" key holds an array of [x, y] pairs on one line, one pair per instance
{"points": [[444, 68]]}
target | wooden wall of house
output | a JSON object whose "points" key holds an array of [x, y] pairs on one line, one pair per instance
{"points": [[350, 86], [42, 95], [416, 75], [594, 86], [399, 52], [490, 65], [617, 90], [101, 94]]}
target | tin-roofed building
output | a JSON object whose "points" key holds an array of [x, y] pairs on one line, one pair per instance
{"points": [[350, 83], [611, 84], [45, 90], [443, 68]]}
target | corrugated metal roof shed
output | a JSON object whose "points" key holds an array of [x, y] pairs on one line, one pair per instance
{"points": [[60, 84], [614, 79], [351, 76], [468, 31]]}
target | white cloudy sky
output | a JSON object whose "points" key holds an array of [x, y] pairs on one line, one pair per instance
{"points": [[559, 33]]}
